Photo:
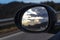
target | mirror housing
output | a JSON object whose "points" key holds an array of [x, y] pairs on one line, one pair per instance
{"points": [[51, 15]]}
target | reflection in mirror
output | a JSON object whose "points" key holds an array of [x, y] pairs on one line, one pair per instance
{"points": [[35, 19]]}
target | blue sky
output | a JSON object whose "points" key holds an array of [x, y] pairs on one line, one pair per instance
{"points": [[35, 1]]}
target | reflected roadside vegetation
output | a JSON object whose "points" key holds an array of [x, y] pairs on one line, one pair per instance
{"points": [[36, 18]]}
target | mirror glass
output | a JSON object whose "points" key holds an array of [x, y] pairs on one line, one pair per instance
{"points": [[35, 19]]}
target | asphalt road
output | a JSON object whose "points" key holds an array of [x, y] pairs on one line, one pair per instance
{"points": [[28, 36]]}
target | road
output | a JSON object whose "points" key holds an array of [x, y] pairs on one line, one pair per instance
{"points": [[27, 36]]}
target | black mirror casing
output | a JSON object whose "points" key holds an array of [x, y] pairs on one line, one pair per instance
{"points": [[51, 15]]}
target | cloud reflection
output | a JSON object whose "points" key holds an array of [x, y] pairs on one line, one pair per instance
{"points": [[28, 19]]}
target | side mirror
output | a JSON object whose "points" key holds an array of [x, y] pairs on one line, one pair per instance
{"points": [[35, 18]]}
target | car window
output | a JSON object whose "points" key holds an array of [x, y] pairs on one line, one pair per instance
{"points": [[8, 9]]}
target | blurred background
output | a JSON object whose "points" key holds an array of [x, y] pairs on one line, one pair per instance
{"points": [[8, 9]]}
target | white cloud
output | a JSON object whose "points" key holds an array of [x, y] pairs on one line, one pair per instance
{"points": [[29, 20]]}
